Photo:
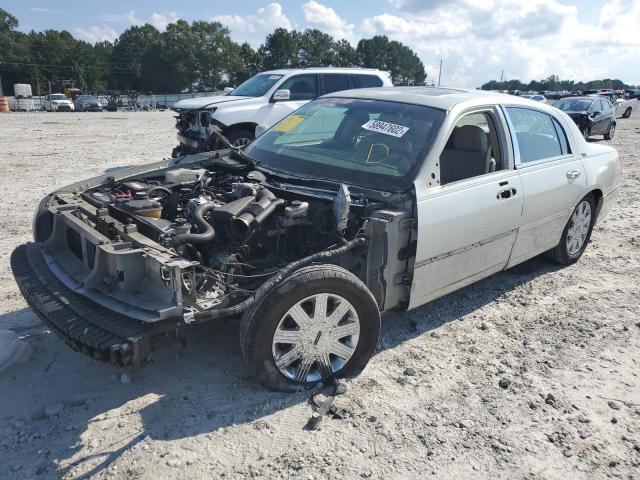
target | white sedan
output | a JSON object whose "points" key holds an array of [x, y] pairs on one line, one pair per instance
{"points": [[360, 202]]}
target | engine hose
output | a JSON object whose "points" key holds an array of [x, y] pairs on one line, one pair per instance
{"points": [[207, 232], [255, 213], [158, 188], [278, 278]]}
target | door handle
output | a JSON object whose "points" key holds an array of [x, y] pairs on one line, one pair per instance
{"points": [[506, 193], [573, 174]]}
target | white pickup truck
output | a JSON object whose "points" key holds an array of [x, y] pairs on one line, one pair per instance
{"points": [[260, 102], [625, 106]]}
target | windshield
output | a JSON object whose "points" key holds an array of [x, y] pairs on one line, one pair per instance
{"points": [[86, 97], [373, 144], [573, 105], [58, 97], [256, 86]]}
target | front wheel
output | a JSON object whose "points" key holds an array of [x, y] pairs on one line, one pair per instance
{"points": [[239, 137], [576, 233], [320, 323], [612, 130], [585, 132]]}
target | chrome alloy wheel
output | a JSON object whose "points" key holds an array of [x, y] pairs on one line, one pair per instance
{"points": [[579, 227], [316, 337]]}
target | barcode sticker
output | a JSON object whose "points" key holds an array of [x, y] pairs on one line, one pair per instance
{"points": [[386, 128]]}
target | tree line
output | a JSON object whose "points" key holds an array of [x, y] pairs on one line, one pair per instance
{"points": [[185, 57], [554, 84]]}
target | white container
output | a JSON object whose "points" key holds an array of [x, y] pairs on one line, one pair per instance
{"points": [[25, 104], [22, 90], [183, 175]]}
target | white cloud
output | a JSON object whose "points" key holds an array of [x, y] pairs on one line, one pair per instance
{"points": [[528, 40], [96, 33], [326, 19], [158, 20], [126, 17], [254, 28], [161, 20]]}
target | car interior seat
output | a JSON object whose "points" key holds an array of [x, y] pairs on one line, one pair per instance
{"points": [[466, 155]]}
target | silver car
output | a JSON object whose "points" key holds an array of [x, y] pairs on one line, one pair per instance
{"points": [[360, 202]]}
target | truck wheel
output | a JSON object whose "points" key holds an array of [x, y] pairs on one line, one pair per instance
{"points": [[239, 137], [612, 130], [320, 323], [576, 233], [627, 113]]}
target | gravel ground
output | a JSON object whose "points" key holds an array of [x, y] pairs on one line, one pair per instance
{"points": [[532, 373]]}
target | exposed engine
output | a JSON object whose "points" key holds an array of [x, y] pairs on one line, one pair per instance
{"points": [[237, 227]]}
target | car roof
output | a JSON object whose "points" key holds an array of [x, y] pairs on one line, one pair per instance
{"points": [[436, 97], [288, 71]]}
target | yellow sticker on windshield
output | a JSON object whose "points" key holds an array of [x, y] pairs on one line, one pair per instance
{"points": [[288, 123]]}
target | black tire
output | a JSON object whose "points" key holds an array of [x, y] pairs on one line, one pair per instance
{"points": [[611, 132], [240, 136], [261, 320], [627, 113], [586, 131], [560, 253]]}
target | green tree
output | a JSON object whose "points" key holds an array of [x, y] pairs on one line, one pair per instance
{"points": [[280, 49]]}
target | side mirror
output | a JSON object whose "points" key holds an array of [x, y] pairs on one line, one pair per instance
{"points": [[228, 90], [281, 95]]}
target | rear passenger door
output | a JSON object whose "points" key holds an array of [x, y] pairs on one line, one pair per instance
{"points": [[333, 82], [552, 176]]}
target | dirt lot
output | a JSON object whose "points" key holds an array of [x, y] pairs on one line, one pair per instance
{"points": [[566, 338]]}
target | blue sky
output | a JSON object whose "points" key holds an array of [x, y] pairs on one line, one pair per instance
{"points": [[477, 40]]}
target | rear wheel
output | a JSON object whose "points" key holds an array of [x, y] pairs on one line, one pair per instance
{"points": [[627, 113], [320, 323], [612, 130], [576, 233]]}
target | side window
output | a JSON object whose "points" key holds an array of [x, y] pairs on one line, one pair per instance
{"points": [[536, 134], [562, 136], [367, 81], [472, 149], [302, 87], [334, 83]]}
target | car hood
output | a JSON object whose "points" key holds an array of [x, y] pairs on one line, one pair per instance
{"points": [[203, 102]]}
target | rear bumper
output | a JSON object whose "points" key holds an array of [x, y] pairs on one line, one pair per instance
{"points": [[84, 325]]}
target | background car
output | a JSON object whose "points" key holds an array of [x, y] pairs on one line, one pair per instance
{"points": [[88, 103], [58, 102], [535, 97], [260, 102], [593, 115]]}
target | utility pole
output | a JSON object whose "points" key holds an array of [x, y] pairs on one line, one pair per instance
{"points": [[502, 76], [440, 73]]}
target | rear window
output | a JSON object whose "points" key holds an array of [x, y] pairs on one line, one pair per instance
{"points": [[367, 81]]}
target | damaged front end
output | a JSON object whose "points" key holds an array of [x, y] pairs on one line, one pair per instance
{"points": [[123, 259]]}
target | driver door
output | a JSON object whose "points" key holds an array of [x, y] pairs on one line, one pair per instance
{"points": [[468, 216], [303, 88]]}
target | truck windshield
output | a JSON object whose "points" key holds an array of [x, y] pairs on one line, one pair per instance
{"points": [[256, 86], [369, 143], [58, 97]]}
